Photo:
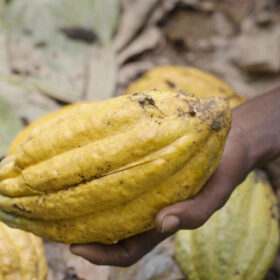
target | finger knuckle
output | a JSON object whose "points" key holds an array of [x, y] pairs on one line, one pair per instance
{"points": [[129, 259], [129, 262], [200, 218], [221, 205]]}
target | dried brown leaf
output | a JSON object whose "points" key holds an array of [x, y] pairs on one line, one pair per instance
{"points": [[132, 70], [258, 51], [147, 40], [237, 10], [133, 19], [161, 11]]}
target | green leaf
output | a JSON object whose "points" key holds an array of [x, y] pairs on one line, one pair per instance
{"points": [[73, 13], [101, 16], [2, 9], [105, 19], [37, 47], [32, 18], [10, 125], [102, 73], [4, 57], [54, 64], [28, 102]]}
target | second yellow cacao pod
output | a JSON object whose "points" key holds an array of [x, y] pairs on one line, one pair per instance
{"points": [[187, 79]]}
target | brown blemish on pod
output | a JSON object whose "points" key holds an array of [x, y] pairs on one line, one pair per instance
{"points": [[216, 125], [21, 209], [170, 84], [147, 101]]}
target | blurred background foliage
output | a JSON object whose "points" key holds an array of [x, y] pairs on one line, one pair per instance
{"points": [[51, 55]]}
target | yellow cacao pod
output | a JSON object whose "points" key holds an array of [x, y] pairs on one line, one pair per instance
{"points": [[186, 79], [100, 172], [21, 255], [23, 134], [239, 242]]}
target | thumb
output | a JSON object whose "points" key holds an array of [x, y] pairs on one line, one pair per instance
{"points": [[194, 212]]}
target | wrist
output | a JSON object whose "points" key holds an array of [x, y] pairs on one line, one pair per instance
{"points": [[239, 139], [257, 126], [240, 135]]}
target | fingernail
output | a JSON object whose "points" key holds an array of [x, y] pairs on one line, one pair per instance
{"points": [[170, 223]]}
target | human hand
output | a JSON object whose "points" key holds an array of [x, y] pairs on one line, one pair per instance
{"points": [[249, 144]]}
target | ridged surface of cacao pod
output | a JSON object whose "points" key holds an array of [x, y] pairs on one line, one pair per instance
{"points": [[187, 79], [23, 133], [239, 242], [100, 172], [21, 255]]}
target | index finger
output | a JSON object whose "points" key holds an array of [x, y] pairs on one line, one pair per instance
{"points": [[124, 253]]}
